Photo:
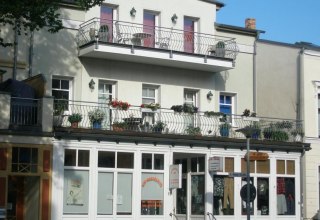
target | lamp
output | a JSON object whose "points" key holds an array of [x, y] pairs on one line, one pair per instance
{"points": [[91, 84], [209, 95], [174, 18], [133, 12]]}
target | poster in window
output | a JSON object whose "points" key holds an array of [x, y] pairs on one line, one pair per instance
{"points": [[75, 192]]}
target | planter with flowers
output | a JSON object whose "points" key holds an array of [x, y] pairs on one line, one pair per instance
{"points": [[119, 105], [96, 117], [119, 126], [152, 106], [74, 119], [185, 108]]}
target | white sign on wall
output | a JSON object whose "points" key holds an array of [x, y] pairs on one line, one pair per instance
{"points": [[175, 176], [216, 164]]}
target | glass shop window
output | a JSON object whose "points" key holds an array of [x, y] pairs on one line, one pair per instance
{"points": [[263, 196], [223, 195], [243, 202], [152, 194], [152, 161]]}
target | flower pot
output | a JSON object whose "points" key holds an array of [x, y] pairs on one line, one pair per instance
{"points": [[96, 125], [117, 128], [224, 132], [74, 124]]}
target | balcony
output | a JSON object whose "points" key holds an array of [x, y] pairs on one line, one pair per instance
{"points": [[109, 39], [143, 123]]}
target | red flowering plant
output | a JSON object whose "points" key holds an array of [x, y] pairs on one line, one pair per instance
{"points": [[119, 104]]}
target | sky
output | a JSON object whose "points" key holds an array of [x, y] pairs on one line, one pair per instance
{"points": [[287, 21]]}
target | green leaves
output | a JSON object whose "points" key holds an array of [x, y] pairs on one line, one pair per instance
{"points": [[30, 15]]}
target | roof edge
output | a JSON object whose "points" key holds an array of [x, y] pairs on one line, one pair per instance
{"points": [[237, 29]]}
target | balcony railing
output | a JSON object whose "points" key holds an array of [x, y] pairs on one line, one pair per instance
{"points": [[138, 35], [166, 121], [24, 112]]}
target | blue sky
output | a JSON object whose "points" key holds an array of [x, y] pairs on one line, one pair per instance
{"points": [[287, 21]]}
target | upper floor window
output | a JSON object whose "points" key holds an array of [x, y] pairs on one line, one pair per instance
{"points": [[189, 28], [24, 160], [106, 92], [226, 104], [190, 97], [61, 89], [149, 94], [76, 158], [107, 15]]}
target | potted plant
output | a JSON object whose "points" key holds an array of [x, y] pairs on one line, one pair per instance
{"points": [[224, 129], [254, 130], [74, 119], [267, 133], [58, 116], [248, 115], [119, 105], [186, 108], [96, 117], [191, 130], [213, 114], [152, 106], [280, 135], [158, 127], [298, 134], [119, 126]]}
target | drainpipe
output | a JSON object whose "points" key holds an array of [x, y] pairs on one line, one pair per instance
{"points": [[302, 191], [31, 53]]}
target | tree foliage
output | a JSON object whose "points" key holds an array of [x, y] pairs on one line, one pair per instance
{"points": [[30, 15]]}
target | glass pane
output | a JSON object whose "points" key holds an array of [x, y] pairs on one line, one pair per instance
{"points": [[197, 195], [152, 194], [124, 195], [34, 159], [24, 155], [101, 88], [65, 84], [244, 166], [285, 196], [182, 198], [263, 196], [221, 99], [263, 166], [229, 164], [201, 164], [243, 202], [147, 161], [76, 192], [228, 99], [158, 162], [194, 165], [83, 158], [225, 109], [58, 94], [223, 195], [15, 154], [105, 195], [70, 157], [290, 167], [147, 101], [280, 167], [152, 93], [55, 83], [144, 92], [125, 160], [106, 159]]}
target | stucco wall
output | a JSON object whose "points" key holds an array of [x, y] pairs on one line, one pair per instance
{"points": [[277, 77]]}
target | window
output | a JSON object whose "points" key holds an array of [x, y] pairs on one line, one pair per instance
{"points": [[107, 16], [285, 187], [226, 104], [76, 181], [223, 189], [152, 189], [149, 23], [105, 92], [189, 40], [115, 179], [24, 160], [149, 95], [61, 89]]}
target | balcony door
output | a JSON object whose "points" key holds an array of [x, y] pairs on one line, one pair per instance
{"points": [[149, 23], [105, 95], [189, 27], [107, 15]]}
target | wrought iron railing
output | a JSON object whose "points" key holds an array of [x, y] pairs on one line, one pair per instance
{"points": [[24, 111], [166, 121], [119, 32]]}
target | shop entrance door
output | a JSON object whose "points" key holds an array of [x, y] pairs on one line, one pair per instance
{"points": [[190, 199], [23, 198]]}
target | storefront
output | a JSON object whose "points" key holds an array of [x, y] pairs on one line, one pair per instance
{"points": [[123, 180]]}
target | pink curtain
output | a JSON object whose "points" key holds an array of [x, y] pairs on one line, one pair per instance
{"points": [[149, 23], [188, 35]]}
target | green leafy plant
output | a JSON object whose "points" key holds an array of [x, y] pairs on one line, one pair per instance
{"points": [[213, 114], [283, 125], [75, 117], [191, 130], [96, 115], [59, 107], [248, 113], [120, 124], [186, 108], [152, 106], [158, 126], [297, 131]]}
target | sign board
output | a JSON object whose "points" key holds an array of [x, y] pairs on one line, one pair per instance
{"points": [[257, 156], [175, 177], [237, 174], [253, 192], [216, 164]]}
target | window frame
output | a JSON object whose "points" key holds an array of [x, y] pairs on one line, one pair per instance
{"points": [[70, 90]]}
